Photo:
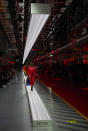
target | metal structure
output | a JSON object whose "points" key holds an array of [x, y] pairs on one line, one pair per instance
{"points": [[66, 16]]}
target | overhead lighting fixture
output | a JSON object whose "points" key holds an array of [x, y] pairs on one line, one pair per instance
{"points": [[39, 15], [59, 15], [63, 9], [51, 55], [68, 2]]}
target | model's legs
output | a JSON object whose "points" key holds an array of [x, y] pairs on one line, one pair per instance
{"points": [[32, 88]]}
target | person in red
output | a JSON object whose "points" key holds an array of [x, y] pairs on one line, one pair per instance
{"points": [[25, 70], [31, 71]]}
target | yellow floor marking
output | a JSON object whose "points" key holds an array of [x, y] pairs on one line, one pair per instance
{"points": [[72, 122]]}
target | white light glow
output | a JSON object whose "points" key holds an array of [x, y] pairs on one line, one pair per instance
{"points": [[68, 2], [36, 24]]}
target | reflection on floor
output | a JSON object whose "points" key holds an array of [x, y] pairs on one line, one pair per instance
{"points": [[65, 118], [14, 107]]}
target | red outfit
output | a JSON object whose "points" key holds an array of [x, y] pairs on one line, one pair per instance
{"points": [[25, 70], [31, 71]]}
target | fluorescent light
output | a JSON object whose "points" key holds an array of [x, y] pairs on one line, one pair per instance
{"points": [[59, 15], [36, 24], [68, 2], [51, 55], [62, 10]]}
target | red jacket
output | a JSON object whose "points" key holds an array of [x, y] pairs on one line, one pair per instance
{"points": [[31, 71]]}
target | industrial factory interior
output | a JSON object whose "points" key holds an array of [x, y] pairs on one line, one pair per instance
{"points": [[43, 65]]}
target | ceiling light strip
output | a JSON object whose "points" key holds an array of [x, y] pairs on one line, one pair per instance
{"points": [[36, 25], [40, 14]]}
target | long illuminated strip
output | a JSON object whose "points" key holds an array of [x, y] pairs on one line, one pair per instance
{"points": [[36, 24]]}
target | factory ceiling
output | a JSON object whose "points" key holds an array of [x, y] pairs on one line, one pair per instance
{"points": [[15, 18]]}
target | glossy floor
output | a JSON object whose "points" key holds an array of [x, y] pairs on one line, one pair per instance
{"points": [[14, 107]]}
